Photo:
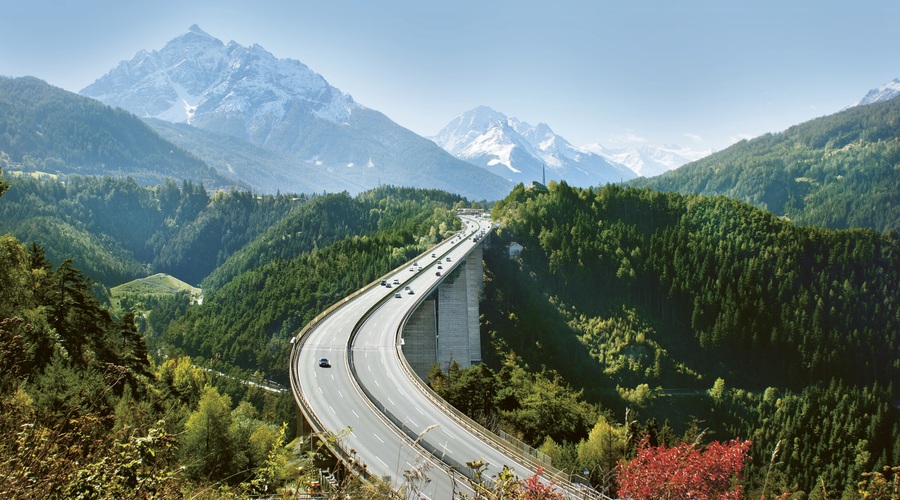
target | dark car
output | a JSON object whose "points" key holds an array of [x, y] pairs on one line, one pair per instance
{"points": [[324, 363]]}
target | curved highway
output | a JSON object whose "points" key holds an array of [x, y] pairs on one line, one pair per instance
{"points": [[388, 423]]}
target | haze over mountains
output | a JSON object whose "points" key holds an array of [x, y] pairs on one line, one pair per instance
{"points": [[521, 152], [272, 125], [886, 92], [517, 150], [285, 111]]}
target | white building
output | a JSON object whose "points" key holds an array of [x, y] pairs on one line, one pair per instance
{"points": [[515, 250]]}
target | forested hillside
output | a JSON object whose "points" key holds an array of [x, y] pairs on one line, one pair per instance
{"points": [[838, 171], [86, 413], [116, 231], [47, 129], [707, 313], [302, 265]]}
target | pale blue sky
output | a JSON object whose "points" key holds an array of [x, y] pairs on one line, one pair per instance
{"points": [[696, 73]]}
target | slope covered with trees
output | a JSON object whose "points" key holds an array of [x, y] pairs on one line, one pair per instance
{"points": [[838, 171], [47, 129], [707, 313], [116, 230], [86, 413], [302, 265]]}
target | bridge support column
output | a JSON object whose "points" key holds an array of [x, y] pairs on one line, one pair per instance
{"points": [[420, 338], [446, 327], [303, 427]]}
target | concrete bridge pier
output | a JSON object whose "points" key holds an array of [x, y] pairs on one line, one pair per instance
{"points": [[445, 327]]}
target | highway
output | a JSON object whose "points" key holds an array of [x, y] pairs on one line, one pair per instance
{"points": [[389, 422]]}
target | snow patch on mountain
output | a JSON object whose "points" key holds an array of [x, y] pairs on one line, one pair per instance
{"points": [[649, 161], [886, 92], [196, 76], [521, 152]]}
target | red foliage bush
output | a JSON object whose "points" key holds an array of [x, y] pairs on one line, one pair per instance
{"points": [[684, 472]]}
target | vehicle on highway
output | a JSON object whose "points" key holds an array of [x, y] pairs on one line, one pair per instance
{"points": [[396, 281], [437, 273], [387, 285], [448, 259], [383, 282], [324, 363], [432, 256], [410, 292], [440, 267], [397, 295]]}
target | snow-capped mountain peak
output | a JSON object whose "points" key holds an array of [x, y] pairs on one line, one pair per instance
{"points": [[278, 123], [522, 152], [886, 92], [466, 127], [196, 77], [649, 161]]}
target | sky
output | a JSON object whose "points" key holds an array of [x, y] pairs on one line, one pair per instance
{"points": [[699, 74]]}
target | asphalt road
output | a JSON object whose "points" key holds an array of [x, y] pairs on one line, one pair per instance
{"points": [[386, 419], [334, 397]]}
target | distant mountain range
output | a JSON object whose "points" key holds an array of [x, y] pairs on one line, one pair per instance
{"points": [[649, 161], [519, 151], [275, 110]]}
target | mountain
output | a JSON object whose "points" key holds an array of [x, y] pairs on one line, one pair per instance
{"points": [[649, 161], [51, 130], [520, 152], [886, 92], [837, 171], [282, 106]]}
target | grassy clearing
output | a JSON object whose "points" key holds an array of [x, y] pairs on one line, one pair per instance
{"points": [[158, 284]]}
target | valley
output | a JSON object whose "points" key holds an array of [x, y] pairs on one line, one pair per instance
{"points": [[167, 233]]}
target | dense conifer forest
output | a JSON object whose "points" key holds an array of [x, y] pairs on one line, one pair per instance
{"points": [[99, 401], [838, 171], [716, 318], [635, 324]]}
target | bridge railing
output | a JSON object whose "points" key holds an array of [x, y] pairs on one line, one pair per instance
{"points": [[514, 446], [335, 447]]}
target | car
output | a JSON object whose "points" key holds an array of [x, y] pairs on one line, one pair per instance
{"points": [[407, 288], [397, 295], [437, 273], [324, 363], [448, 259], [432, 256], [412, 269], [410, 292], [383, 282], [440, 267], [396, 281], [387, 285]]}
